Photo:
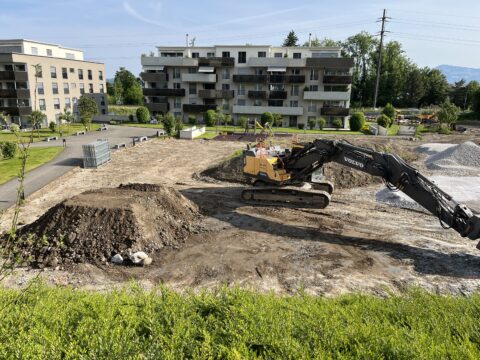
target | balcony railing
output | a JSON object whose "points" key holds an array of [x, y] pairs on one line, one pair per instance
{"points": [[250, 78], [158, 107], [13, 75], [16, 110], [327, 95], [258, 110], [334, 111], [198, 108], [330, 63], [168, 61], [163, 92], [199, 77], [217, 61], [15, 93], [278, 94], [154, 77], [337, 79], [257, 94], [272, 61], [216, 94], [295, 79]]}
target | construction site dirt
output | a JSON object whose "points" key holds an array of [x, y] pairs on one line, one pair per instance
{"points": [[356, 244]]}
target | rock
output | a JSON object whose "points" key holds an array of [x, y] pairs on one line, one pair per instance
{"points": [[139, 258], [117, 259], [146, 261]]}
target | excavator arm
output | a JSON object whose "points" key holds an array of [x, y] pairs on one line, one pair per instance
{"points": [[397, 174]]}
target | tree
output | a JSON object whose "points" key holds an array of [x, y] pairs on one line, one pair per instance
{"points": [[436, 87], [242, 122], [316, 42], [143, 115], [178, 125], [476, 102], [3, 119], [448, 114], [192, 120], [219, 117], [210, 117], [472, 88], [127, 88], [169, 123], [357, 121], [266, 117], [87, 107], [390, 111], [414, 88], [277, 119], [52, 126], [68, 117], [227, 120], [36, 118], [291, 39], [312, 123], [8, 149], [384, 120], [321, 123]]}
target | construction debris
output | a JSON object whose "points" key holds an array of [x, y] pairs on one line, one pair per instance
{"points": [[461, 159]]}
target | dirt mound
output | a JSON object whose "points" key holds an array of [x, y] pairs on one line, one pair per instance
{"points": [[458, 159], [230, 170], [94, 225]]}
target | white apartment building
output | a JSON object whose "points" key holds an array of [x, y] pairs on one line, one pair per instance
{"points": [[64, 77], [247, 80]]}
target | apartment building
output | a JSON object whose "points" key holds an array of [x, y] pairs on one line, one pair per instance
{"points": [[64, 76], [297, 82]]}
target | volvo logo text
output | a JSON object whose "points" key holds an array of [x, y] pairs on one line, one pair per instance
{"points": [[354, 162]]}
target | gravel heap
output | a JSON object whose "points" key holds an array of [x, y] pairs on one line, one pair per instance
{"points": [[461, 159]]}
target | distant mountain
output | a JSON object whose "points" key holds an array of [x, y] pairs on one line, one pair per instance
{"points": [[457, 73]]}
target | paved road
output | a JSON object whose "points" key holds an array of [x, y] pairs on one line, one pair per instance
{"points": [[68, 159]]}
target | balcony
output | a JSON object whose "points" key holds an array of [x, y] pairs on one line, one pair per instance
{"points": [[337, 79], [199, 78], [168, 61], [258, 110], [158, 107], [198, 108], [327, 95], [163, 92], [330, 63], [250, 78], [14, 75], [16, 111], [257, 94], [280, 62], [216, 94], [217, 61], [334, 111], [14, 93], [295, 79], [277, 95], [154, 77]]}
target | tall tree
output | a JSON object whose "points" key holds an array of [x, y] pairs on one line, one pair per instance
{"points": [[414, 88], [291, 39], [87, 107], [436, 87], [128, 88], [458, 93], [472, 88]]}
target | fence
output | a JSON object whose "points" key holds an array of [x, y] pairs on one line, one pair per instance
{"points": [[96, 154]]}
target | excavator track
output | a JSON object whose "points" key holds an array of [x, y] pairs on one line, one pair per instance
{"points": [[286, 195]]}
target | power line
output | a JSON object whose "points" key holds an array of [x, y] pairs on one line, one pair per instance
{"points": [[436, 24], [382, 32]]}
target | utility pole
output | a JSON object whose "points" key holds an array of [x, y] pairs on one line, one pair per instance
{"points": [[382, 32]]}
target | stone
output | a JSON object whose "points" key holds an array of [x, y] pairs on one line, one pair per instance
{"points": [[117, 259], [138, 257]]}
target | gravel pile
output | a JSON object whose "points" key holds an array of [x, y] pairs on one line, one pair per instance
{"points": [[461, 159]]}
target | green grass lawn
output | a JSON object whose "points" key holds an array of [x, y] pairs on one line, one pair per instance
{"points": [[62, 323], [150, 126], [46, 132], [123, 109], [37, 156]]}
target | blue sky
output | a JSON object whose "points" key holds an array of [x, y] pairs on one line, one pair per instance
{"points": [[117, 32]]}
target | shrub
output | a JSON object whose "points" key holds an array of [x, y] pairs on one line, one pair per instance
{"points": [[357, 121], [143, 115], [337, 123], [178, 125], [242, 122], [210, 117], [384, 120], [390, 111], [266, 117], [169, 123], [301, 126], [52, 126], [321, 123], [8, 149], [192, 120], [311, 123]]}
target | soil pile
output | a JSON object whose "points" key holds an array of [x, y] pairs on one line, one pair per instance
{"points": [[230, 170], [95, 225], [459, 159]]}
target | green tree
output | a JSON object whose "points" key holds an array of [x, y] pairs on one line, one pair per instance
{"points": [[458, 93], [414, 88], [52, 126], [242, 122], [390, 111], [316, 42], [476, 101], [87, 107], [312, 123], [127, 88], [291, 39], [448, 114], [472, 88], [143, 115], [36, 118], [210, 117], [277, 120], [321, 123], [192, 120], [384, 120], [219, 118], [8, 149], [266, 117], [67, 117], [436, 87], [227, 120], [357, 121], [169, 123], [178, 125]]}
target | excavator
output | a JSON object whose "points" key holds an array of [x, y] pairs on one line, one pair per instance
{"points": [[295, 177]]}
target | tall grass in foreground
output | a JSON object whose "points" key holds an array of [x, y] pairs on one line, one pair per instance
{"points": [[54, 323]]}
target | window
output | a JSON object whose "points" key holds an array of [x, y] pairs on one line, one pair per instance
{"points": [[72, 70], [67, 103], [56, 103], [297, 55], [100, 75], [278, 55], [176, 73], [90, 88], [312, 107], [295, 90], [82, 88], [73, 86], [90, 76], [241, 102], [192, 70], [34, 50], [295, 71], [40, 88], [242, 57], [176, 86], [54, 88], [258, 71], [314, 74], [225, 86], [292, 121], [42, 105], [226, 74], [195, 55], [210, 54], [192, 88], [225, 106], [53, 72], [313, 87], [49, 52], [241, 89], [177, 103], [66, 90], [102, 90], [257, 102], [293, 103], [262, 54], [64, 73], [70, 56], [226, 54], [80, 74]]}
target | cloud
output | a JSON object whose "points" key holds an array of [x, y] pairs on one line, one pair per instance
{"points": [[132, 12]]}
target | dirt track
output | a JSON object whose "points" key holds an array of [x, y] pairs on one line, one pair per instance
{"points": [[356, 244]]}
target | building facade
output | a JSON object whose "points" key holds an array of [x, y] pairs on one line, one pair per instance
{"points": [[64, 76], [299, 83]]}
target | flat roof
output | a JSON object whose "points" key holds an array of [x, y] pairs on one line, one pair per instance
{"points": [[6, 41], [262, 46], [53, 57]]}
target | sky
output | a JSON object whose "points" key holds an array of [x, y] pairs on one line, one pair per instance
{"points": [[117, 32]]}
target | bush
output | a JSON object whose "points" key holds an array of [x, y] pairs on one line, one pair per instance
{"points": [[169, 123], [242, 122], [52, 126], [384, 120], [143, 115], [266, 117], [357, 121], [301, 126], [131, 118], [210, 117], [337, 123], [311, 123], [14, 128], [192, 120], [113, 122], [178, 125], [8, 149], [390, 111], [321, 123]]}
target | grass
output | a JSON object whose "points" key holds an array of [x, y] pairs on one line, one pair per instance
{"points": [[207, 135], [61, 323], [46, 132], [37, 156], [123, 109]]}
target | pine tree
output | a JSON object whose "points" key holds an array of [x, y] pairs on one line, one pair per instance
{"points": [[291, 40]]}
